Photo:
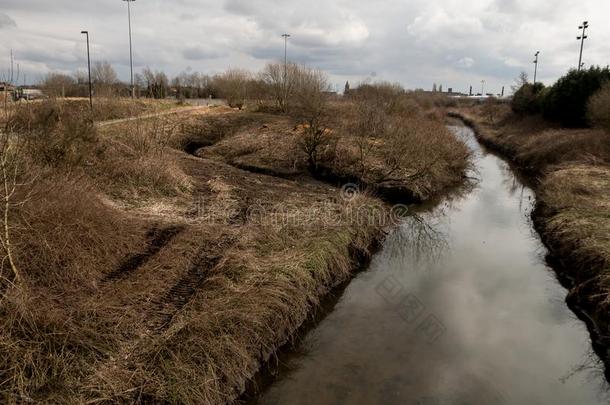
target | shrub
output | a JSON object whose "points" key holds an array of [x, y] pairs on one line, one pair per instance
{"points": [[311, 107], [598, 108], [490, 109], [59, 85], [233, 86], [528, 99], [386, 95], [566, 101], [56, 136]]}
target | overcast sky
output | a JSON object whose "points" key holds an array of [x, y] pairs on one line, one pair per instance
{"points": [[414, 42]]}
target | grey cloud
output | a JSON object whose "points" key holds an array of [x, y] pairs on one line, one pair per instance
{"points": [[6, 21], [199, 53], [415, 43], [241, 7]]}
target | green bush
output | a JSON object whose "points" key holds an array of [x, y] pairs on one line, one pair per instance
{"points": [[528, 99], [566, 101]]}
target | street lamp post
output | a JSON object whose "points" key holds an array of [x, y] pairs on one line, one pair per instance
{"points": [[133, 90], [89, 70], [536, 66], [582, 38], [285, 36]]}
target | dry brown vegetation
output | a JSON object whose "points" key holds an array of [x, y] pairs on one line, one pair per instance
{"points": [[120, 300], [383, 142], [572, 172], [103, 108], [134, 271]]}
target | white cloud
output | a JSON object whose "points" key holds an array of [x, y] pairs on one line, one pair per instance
{"points": [[465, 62]]}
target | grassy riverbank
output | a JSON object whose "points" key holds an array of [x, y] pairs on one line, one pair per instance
{"points": [[571, 173], [137, 271]]}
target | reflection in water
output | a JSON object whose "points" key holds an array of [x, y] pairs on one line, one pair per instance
{"points": [[458, 308], [420, 238]]}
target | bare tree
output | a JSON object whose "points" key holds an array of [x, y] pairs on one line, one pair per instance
{"points": [[366, 125], [233, 86], [490, 109], [519, 82], [58, 85], [310, 106], [11, 160], [104, 77], [157, 83], [281, 82]]}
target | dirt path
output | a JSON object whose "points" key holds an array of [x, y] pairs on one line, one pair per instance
{"points": [[178, 110]]}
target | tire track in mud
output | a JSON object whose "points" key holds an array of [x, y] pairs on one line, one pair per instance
{"points": [[186, 287], [158, 238], [181, 293], [160, 314]]}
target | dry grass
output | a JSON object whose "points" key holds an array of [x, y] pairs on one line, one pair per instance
{"points": [[103, 108], [65, 238], [412, 151], [138, 162], [537, 145], [129, 305], [580, 195], [577, 218], [263, 289]]}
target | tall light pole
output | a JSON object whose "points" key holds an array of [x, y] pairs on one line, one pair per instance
{"points": [[582, 38], [285, 36], [536, 66], [133, 90], [89, 70]]}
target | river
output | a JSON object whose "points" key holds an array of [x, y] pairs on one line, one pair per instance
{"points": [[458, 307]]}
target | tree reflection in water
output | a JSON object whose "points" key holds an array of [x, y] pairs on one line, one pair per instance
{"points": [[418, 238]]}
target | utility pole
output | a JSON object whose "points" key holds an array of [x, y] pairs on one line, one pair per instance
{"points": [[582, 38], [536, 66], [285, 36], [89, 69], [133, 90]]}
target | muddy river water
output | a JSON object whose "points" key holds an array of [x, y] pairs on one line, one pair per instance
{"points": [[458, 307]]}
